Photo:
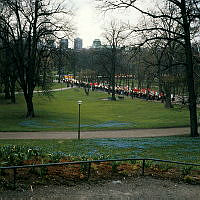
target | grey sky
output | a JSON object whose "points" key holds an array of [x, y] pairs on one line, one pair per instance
{"points": [[87, 21], [90, 22]]}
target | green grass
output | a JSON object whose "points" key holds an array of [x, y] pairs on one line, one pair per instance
{"points": [[184, 149], [60, 113], [57, 85]]}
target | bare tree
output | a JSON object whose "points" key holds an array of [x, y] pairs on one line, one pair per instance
{"points": [[7, 67], [115, 36], [186, 16], [30, 24]]}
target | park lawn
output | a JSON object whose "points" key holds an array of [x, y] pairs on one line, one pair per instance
{"points": [[176, 148], [54, 85], [59, 112]]}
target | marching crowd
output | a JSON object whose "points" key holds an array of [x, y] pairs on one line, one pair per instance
{"points": [[147, 94]]}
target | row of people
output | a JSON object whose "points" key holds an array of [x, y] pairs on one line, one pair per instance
{"points": [[121, 91]]}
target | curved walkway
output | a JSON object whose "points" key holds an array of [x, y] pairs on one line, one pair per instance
{"points": [[97, 134]]}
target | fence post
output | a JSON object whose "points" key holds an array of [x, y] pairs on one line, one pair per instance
{"points": [[89, 168], [143, 165], [14, 177]]}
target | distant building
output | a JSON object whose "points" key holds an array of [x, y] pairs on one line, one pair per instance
{"points": [[51, 44], [64, 44], [96, 43], [78, 43]]}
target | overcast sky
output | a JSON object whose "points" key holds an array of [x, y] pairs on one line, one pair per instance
{"points": [[87, 21], [90, 22]]}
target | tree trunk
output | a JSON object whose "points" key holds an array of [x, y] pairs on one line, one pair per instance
{"points": [[190, 73], [114, 54], [192, 96], [159, 79], [139, 84], [168, 102], [132, 84], [113, 87], [28, 94], [12, 90], [29, 105], [7, 87]]}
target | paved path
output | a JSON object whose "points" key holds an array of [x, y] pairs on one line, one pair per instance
{"points": [[132, 188], [96, 134], [53, 90]]}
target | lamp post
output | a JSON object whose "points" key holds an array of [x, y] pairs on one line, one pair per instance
{"points": [[79, 118]]}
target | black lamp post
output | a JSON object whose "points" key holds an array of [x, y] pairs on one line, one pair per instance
{"points": [[79, 118]]}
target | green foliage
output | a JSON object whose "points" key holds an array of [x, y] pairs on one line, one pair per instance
{"points": [[23, 152], [16, 154], [133, 161], [184, 149], [55, 156], [147, 164], [114, 166], [190, 179], [84, 168], [41, 171], [165, 166], [186, 170]]}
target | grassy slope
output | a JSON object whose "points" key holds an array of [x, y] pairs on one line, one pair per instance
{"points": [[60, 113]]}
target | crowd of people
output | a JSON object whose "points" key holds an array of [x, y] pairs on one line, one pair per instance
{"points": [[120, 91]]}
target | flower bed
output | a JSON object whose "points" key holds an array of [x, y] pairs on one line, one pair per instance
{"points": [[22, 155]]}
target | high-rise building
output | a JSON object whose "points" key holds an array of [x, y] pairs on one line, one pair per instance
{"points": [[78, 43], [51, 44], [96, 43], [64, 44]]}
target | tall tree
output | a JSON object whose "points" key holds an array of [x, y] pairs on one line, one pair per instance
{"points": [[30, 24], [8, 70], [186, 16], [115, 36]]}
